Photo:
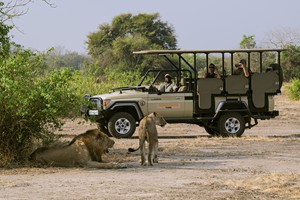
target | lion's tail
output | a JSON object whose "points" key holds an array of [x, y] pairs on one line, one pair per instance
{"points": [[142, 140], [133, 150]]}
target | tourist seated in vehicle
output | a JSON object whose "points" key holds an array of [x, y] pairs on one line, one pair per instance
{"points": [[241, 68], [168, 86], [212, 72]]}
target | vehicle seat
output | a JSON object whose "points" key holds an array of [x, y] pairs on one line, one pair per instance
{"points": [[237, 84], [262, 84], [207, 87], [182, 87]]}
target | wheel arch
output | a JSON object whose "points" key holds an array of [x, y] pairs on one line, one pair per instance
{"points": [[132, 108], [232, 106]]}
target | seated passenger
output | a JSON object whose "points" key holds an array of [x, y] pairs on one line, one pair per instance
{"points": [[241, 69], [168, 86], [212, 72]]}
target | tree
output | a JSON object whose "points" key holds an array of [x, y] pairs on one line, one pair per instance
{"points": [[291, 62], [60, 58], [8, 11], [114, 43], [280, 38], [248, 42], [288, 39], [16, 8], [4, 40]]}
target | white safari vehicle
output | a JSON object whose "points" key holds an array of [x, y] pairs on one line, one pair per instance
{"points": [[224, 106]]}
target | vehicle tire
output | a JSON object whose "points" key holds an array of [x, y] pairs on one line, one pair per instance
{"points": [[104, 129], [231, 124], [122, 125]]}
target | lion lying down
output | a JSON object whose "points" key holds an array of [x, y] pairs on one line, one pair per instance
{"points": [[85, 150]]}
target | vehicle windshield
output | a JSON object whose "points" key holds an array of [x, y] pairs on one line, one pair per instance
{"points": [[157, 77]]}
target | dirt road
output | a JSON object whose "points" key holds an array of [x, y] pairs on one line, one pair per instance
{"points": [[263, 164]]}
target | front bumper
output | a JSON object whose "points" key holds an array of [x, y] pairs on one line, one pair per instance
{"points": [[93, 110]]}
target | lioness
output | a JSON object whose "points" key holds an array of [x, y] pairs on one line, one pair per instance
{"points": [[148, 132], [85, 150]]}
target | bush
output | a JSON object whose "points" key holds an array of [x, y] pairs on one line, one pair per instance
{"points": [[32, 103], [294, 89], [95, 81]]}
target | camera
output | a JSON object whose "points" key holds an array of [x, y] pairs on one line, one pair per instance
{"points": [[238, 65]]}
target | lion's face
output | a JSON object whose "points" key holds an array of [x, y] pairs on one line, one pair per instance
{"points": [[159, 120], [104, 140]]}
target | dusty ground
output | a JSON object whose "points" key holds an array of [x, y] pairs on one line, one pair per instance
{"points": [[263, 164]]}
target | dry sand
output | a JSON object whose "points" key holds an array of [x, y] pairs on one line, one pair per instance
{"points": [[263, 164]]}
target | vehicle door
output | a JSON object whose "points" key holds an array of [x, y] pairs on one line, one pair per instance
{"points": [[171, 104]]}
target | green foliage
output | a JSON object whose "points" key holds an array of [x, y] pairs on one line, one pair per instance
{"points": [[248, 42], [86, 82], [31, 103], [57, 60], [291, 62], [114, 43], [294, 89], [4, 38]]}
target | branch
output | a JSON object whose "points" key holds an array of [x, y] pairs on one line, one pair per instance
{"points": [[17, 8], [52, 5]]}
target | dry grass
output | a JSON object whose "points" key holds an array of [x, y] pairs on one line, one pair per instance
{"points": [[284, 185]]}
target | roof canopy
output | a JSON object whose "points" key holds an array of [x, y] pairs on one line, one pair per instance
{"points": [[148, 52]]}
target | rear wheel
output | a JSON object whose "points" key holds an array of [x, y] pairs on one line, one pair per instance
{"points": [[231, 124], [122, 125]]}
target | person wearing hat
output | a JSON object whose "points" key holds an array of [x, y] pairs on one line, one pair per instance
{"points": [[168, 86], [212, 72], [241, 68]]}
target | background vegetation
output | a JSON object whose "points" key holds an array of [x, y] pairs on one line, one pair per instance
{"points": [[40, 89]]}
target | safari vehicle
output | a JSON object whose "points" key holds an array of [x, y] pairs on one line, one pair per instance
{"points": [[224, 106]]}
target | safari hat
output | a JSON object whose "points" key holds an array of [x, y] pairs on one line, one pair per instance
{"points": [[168, 75]]}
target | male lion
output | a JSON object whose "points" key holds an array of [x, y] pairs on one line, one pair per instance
{"points": [[148, 132], [85, 150]]}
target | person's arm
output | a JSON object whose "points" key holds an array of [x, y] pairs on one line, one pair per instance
{"points": [[246, 73], [217, 72]]}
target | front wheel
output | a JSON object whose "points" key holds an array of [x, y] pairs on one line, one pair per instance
{"points": [[211, 131], [231, 124], [104, 129], [122, 125]]}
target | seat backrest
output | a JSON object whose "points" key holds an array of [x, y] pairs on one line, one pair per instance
{"points": [[206, 87], [182, 87], [263, 83], [236, 84]]}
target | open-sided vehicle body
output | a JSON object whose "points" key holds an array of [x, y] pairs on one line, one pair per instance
{"points": [[223, 106]]}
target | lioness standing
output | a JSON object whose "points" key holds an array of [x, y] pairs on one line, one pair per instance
{"points": [[148, 132]]}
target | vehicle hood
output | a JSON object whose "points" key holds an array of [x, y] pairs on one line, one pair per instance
{"points": [[119, 95]]}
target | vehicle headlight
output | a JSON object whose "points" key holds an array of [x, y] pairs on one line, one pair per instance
{"points": [[96, 103]]}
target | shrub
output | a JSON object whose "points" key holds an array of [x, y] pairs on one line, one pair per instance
{"points": [[32, 103], [294, 89]]}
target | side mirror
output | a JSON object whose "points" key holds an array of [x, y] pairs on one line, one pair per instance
{"points": [[87, 96]]}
